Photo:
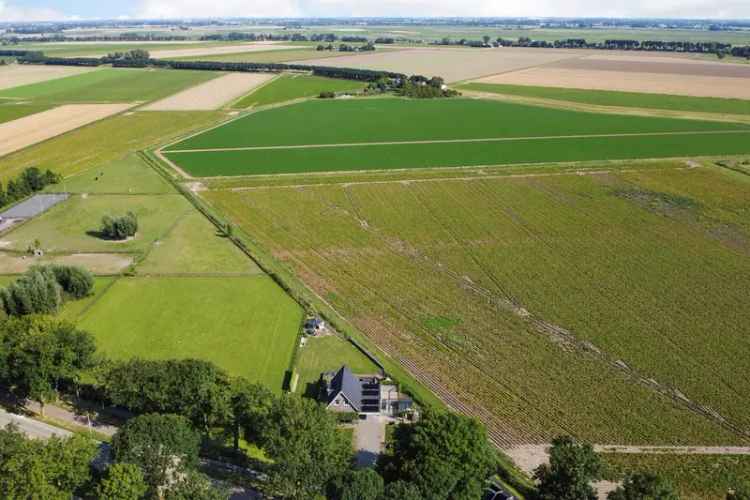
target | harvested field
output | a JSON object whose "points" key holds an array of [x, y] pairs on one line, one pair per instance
{"points": [[39, 127], [225, 49], [97, 263], [452, 64], [15, 75], [584, 284], [213, 94], [658, 75]]}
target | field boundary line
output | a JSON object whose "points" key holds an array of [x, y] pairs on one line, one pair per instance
{"points": [[458, 141], [438, 179]]}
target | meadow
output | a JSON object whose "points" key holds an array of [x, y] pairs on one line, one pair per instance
{"points": [[110, 85], [543, 304], [178, 317], [619, 99], [290, 87]]}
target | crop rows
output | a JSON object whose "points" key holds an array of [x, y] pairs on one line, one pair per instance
{"points": [[438, 274]]}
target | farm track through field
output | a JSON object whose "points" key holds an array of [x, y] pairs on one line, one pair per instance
{"points": [[457, 141]]}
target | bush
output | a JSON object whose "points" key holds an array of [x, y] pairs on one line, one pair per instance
{"points": [[75, 281], [327, 95], [119, 228], [346, 417], [40, 289]]}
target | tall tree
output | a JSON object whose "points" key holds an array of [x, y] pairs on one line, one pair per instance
{"points": [[53, 469], [195, 486], [401, 490], [122, 482], [572, 468], [163, 446], [306, 447], [444, 454], [644, 486], [364, 484], [250, 405]]}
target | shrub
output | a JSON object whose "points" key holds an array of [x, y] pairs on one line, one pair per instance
{"points": [[75, 281], [327, 95], [119, 228]]}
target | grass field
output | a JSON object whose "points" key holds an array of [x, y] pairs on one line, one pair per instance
{"points": [[110, 85], [647, 267], [105, 141], [103, 48], [327, 354], [619, 99], [696, 477], [126, 176], [12, 111], [289, 87], [193, 246], [72, 226], [365, 134], [161, 318]]}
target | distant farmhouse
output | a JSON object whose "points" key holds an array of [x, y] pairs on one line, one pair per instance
{"points": [[345, 392]]}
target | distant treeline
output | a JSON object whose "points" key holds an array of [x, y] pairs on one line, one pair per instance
{"points": [[364, 75], [581, 43], [125, 37]]}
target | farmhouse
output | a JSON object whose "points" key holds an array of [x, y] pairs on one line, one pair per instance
{"points": [[346, 392]]}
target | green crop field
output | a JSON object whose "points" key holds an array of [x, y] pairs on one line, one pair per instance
{"points": [[12, 111], [266, 56], [289, 87], [470, 281], [89, 49], [696, 477], [110, 85], [72, 226], [619, 99], [104, 141], [247, 326], [361, 134]]}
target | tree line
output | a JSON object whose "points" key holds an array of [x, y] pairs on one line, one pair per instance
{"points": [[28, 182], [44, 289]]}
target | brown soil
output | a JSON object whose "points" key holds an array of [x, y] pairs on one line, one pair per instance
{"points": [[98, 263], [214, 51], [15, 75], [38, 127], [213, 94]]}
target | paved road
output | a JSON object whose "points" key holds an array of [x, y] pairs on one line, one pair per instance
{"points": [[32, 428], [369, 435]]}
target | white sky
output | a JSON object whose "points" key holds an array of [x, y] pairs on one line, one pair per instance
{"points": [[15, 10]]}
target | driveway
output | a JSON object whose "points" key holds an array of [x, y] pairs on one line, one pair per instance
{"points": [[32, 428], [369, 439]]}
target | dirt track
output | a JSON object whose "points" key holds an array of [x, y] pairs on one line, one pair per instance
{"points": [[32, 129], [15, 75], [100, 263], [211, 95]]}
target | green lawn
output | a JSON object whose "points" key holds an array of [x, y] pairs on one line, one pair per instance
{"points": [[696, 477], [12, 111], [326, 354], [619, 99], [248, 326], [195, 246], [110, 85], [105, 141], [72, 226], [128, 175], [265, 56], [379, 120], [289, 87]]}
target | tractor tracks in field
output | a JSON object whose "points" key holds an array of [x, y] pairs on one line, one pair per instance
{"points": [[557, 334]]}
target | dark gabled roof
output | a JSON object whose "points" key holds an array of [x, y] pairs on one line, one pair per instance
{"points": [[346, 384]]}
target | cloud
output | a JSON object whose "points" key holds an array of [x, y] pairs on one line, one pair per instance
{"points": [[14, 13]]}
